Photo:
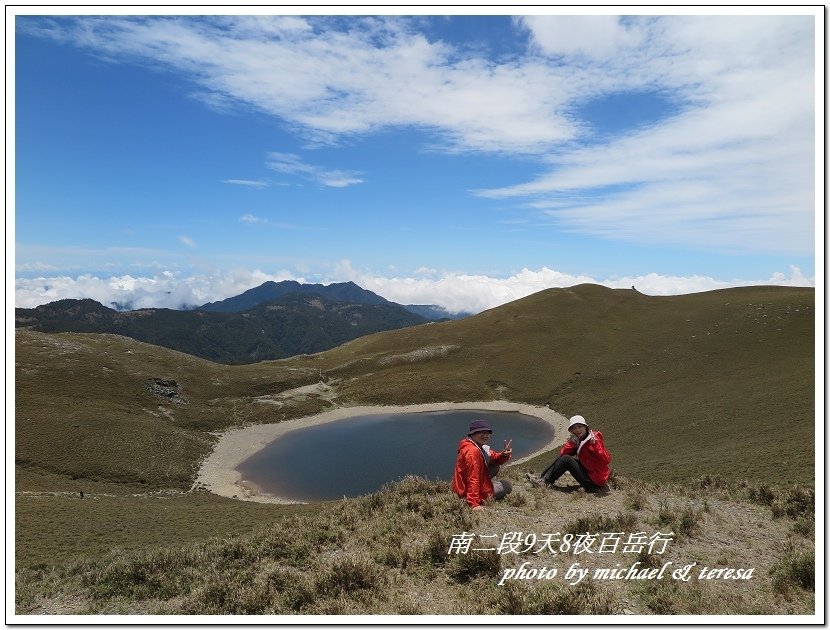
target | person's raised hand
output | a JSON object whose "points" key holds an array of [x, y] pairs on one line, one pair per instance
{"points": [[507, 447]]}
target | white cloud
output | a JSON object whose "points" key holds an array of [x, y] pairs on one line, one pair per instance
{"points": [[251, 219], [332, 77], [69, 259], [733, 169], [163, 290], [186, 240], [36, 267], [456, 291], [290, 163], [250, 183], [459, 291], [600, 36], [339, 179]]}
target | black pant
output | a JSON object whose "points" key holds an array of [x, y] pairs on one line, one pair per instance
{"points": [[568, 463]]}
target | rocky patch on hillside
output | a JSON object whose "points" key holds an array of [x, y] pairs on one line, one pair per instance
{"points": [[167, 389]]}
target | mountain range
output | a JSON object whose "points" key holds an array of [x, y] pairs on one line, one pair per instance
{"points": [[336, 292], [272, 291], [296, 323]]}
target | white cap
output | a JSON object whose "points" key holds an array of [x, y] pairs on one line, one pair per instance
{"points": [[576, 420]]}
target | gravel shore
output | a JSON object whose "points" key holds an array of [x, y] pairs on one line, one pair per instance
{"points": [[218, 472]]}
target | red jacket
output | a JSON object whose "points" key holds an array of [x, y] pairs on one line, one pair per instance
{"points": [[591, 453], [470, 480]]}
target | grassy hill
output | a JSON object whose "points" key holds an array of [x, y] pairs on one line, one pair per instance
{"points": [[719, 382], [712, 391]]}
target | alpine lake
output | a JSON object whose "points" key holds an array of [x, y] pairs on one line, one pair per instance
{"points": [[359, 455]]}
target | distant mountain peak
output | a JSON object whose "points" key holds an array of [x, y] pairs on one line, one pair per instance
{"points": [[270, 291]]}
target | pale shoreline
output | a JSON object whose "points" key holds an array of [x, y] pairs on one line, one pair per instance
{"points": [[218, 473]]}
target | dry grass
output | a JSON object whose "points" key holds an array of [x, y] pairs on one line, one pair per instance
{"points": [[390, 553]]}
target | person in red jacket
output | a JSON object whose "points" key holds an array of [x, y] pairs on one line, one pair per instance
{"points": [[476, 464], [583, 455]]}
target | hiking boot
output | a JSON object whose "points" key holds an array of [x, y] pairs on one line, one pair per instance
{"points": [[534, 480]]}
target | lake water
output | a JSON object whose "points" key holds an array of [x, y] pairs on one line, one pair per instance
{"points": [[358, 455]]}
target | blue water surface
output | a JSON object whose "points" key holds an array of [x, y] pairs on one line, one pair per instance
{"points": [[358, 455]]}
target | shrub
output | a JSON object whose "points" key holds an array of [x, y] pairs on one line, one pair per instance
{"points": [[516, 499], [407, 607], [686, 522], [648, 560], [660, 597], [707, 481], [794, 568], [207, 599], [158, 574], [435, 550], [294, 588], [636, 500], [801, 501], [553, 599], [763, 494], [474, 564], [594, 523], [805, 526], [348, 574]]}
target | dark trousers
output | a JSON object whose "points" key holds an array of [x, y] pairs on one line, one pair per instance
{"points": [[568, 463]]}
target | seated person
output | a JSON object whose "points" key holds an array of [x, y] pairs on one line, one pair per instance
{"points": [[476, 464], [583, 455]]}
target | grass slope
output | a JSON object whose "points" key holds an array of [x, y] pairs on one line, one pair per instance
{"points": [[389, 553], [705, 386], [718, 383]]}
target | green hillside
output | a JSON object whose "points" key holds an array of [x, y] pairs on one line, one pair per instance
{"points": [[719, 382], [711, 390]]}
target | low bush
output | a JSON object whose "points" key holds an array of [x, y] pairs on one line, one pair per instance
{"points": [[595, 523], [794, 568], [349, 574], [553, 599], [636, 500], [683, 522], [465, 567]]}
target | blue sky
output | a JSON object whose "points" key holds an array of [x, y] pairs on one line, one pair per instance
{"points": [[457, 160]]}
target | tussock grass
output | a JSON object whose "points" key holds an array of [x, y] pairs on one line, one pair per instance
{"points": [[683, 520], [388, 553], [473, 565], [795, 502], [795, 568], [546, 599], [805, 526], [636, 499], [622, 521]]}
